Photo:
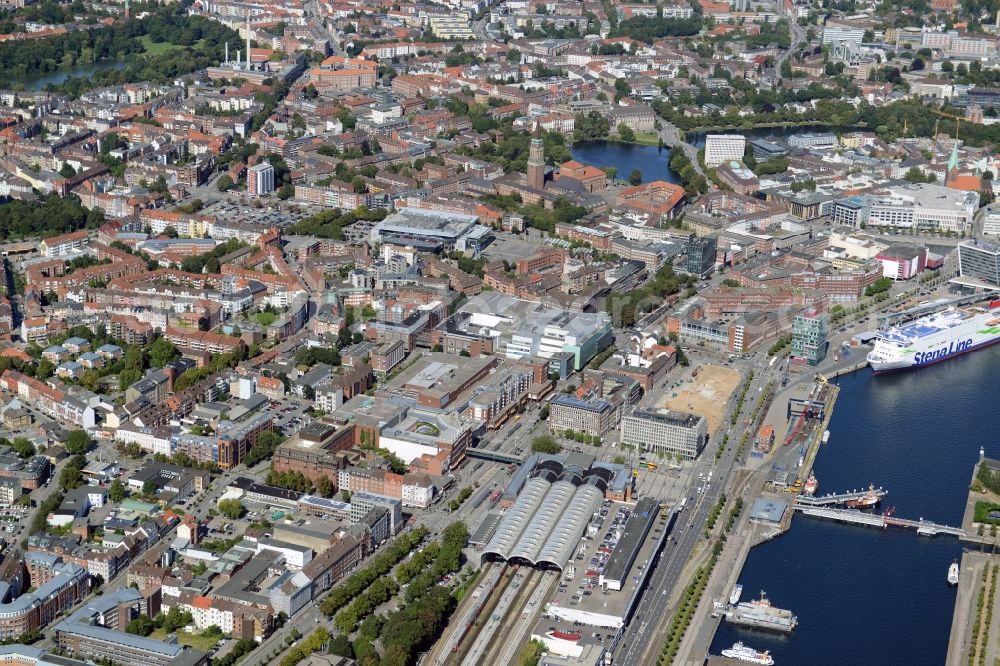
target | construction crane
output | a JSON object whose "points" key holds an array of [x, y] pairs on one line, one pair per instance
{"points": [[958, 121]]}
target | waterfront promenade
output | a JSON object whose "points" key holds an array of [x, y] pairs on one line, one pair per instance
{"points": [[749, 533], [965, 640]]}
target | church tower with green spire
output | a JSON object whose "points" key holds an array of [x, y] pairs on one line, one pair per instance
{"points": [[952, 170]]}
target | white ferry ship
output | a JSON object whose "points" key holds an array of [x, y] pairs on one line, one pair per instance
{"points": [[748, 654], [935, 337]]}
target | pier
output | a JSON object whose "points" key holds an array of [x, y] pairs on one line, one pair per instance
{"points": [[842, 515], [855, 517], [839, 498]]}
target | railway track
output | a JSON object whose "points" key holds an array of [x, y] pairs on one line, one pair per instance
{"points": [[461, 640], [511, 600], [507, 650]]}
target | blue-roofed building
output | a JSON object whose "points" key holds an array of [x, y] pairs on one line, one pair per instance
{"points": [[110, 351], [90, 360], [76, 345], [768, 510], [851, 211], [68, 370], [56, 354]]}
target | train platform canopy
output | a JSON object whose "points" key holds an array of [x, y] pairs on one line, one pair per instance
{"points": [[768, 510], [547, 520]]}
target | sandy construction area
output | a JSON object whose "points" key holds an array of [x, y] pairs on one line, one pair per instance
{"points": [[705, 395]]}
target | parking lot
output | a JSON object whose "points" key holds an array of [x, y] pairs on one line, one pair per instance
{"points": [[580, 605], [290, 415]]}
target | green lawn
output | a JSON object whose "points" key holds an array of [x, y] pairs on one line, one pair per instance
{"points": [[983, 510], [647, 138], [265, 318], [196, 641]]}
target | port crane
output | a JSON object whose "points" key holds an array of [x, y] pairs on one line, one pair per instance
{"points": [[806, 413], [799, 422]]}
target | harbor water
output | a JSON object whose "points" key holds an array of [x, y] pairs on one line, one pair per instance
{"points": [[865, 596]]}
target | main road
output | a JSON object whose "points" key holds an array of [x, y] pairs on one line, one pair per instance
{"points": [[638, 643], [674, 137]]}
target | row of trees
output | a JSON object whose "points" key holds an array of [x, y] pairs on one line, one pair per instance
{"points": [[170, 622], [217, 363], [415, 626], [232, 509], [420, 575], [317, 641], [694, 182], [459, 499], [742, 396], [380, 566], [581, 436], [989, 478], [376, 594], [136, 360], [880, 285], [290, 480], [977, 652], [48, 505], [693, 592], [650, 28], [780, 344], [71, 476]]}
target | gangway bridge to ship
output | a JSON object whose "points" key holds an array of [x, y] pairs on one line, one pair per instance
{"points": [[834, 499], [916, 311]]}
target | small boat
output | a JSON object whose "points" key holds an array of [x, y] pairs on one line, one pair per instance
{"points": [[734, 596], [811, 485], [866, 501], [748, 654], [953, 573]]}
